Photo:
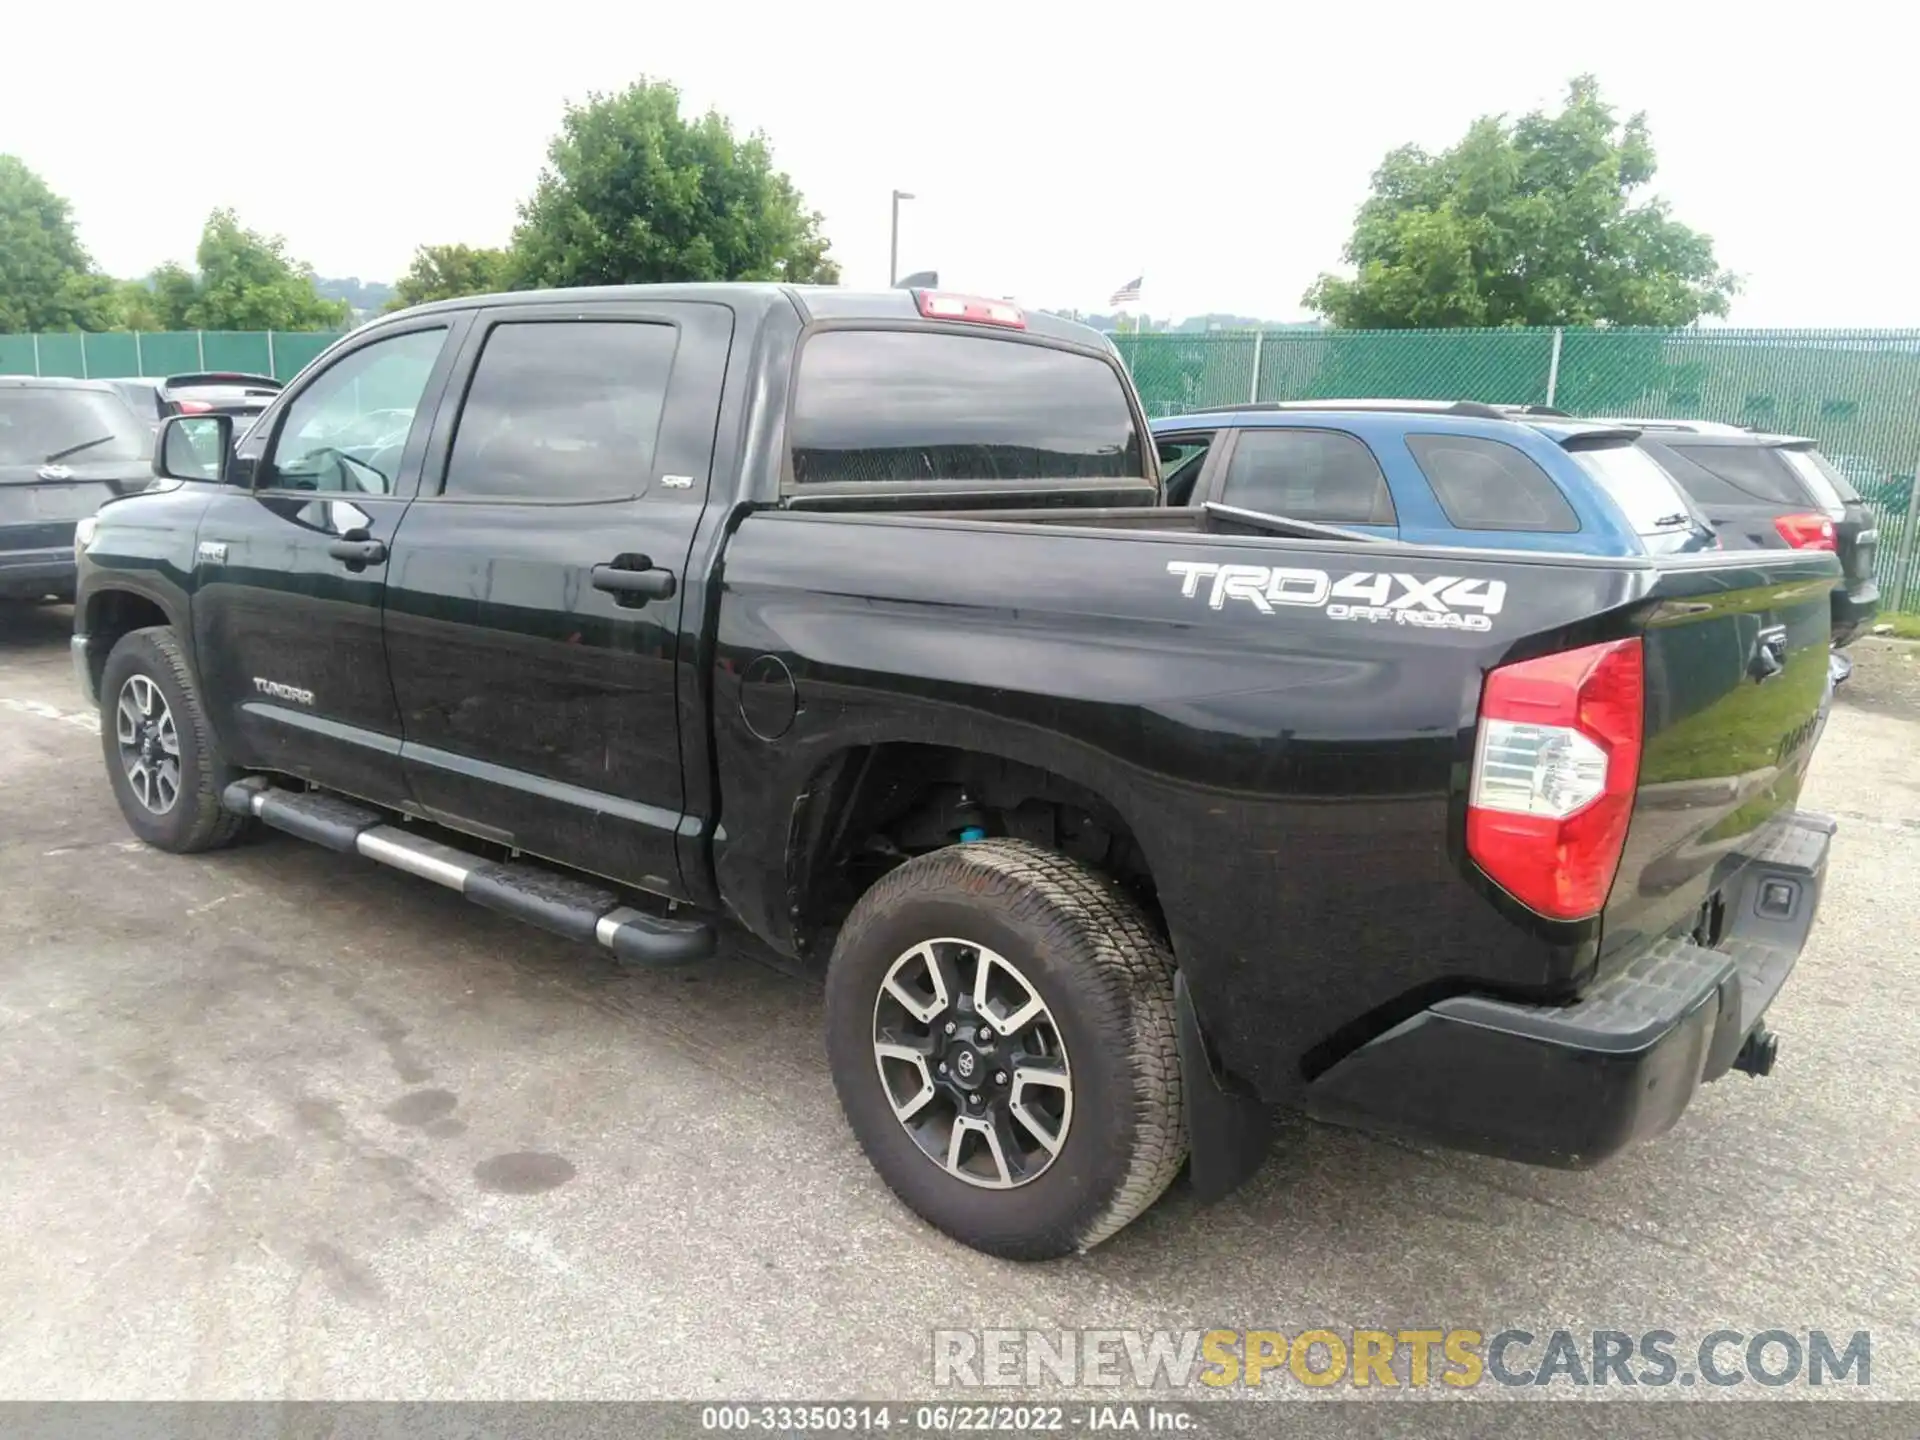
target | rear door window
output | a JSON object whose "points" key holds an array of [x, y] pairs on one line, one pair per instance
{"points": [[1633, 479], [1491, 485], [563, 411], [1322, 475], [888, 407]]}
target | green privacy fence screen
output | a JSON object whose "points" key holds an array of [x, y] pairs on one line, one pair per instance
{"points": [[113, 354], [1855, 391]]}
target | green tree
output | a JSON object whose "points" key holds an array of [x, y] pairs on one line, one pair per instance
{"points": [[446, 272], [47, 279], [128, 305], [1534, 222], [175, 292], [246, 281], [634, 192]]}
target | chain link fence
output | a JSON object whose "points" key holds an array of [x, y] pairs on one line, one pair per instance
{"points": [[117, 354], [1857, 392]]}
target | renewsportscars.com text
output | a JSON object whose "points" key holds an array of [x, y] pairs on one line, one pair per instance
{"points": [[1401, 1358]]}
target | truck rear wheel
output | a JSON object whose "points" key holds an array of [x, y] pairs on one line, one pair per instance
{"points": [[1000, 1023], [162, 757]]}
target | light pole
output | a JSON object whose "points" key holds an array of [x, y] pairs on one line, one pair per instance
{"points": [[893, 250]]}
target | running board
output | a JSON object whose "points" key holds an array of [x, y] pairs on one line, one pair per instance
{"points": [[576, 909]]}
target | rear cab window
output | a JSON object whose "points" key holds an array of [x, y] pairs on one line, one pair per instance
{"points": [[1491, 485], [1326, 476], [1647, 495], [902, 407]]}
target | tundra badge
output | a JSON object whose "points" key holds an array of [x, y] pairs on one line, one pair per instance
{"points": [[283, 692]]}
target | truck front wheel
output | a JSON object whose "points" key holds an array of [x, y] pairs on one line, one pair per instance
{"points": [[162, 757], [1000, 1023]]}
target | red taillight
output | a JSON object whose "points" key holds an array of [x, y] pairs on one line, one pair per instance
{"points": [[195, 407], [1807, 532], [1554, 773], [936, 305]]}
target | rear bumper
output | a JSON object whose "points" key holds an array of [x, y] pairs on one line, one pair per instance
{"points": [[1853, 610], [29, 574], [1570, 1085]]}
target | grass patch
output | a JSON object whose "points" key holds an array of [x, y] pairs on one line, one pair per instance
{"points": [[1906, 626]]}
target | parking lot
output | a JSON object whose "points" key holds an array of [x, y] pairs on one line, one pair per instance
{"points": [[278, 1123]]}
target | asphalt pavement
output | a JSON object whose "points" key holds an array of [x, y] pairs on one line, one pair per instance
{"points": [[277, 1123]]}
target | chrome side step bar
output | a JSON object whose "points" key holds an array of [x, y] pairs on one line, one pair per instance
{"points": [[576, 909]]}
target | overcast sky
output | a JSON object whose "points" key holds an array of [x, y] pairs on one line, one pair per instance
{"points": [[1057, 150]]}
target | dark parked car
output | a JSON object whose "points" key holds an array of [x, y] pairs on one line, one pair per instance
{"points": [[220, 392], [65, 446], [857, 620], [1774, 492]]}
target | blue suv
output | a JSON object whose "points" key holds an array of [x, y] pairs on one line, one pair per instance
{"points": [[1434, 473]]}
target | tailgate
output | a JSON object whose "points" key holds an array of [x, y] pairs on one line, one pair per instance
{"points": [[1736, 681]]}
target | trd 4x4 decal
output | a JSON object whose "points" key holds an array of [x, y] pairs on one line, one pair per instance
{"points": [[1447, 602]]}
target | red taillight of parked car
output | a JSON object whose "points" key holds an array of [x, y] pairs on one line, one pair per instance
{"points": [[194, 407], [1807, 532], [1554, 771]]}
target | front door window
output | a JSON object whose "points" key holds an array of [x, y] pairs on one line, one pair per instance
{"points": [[347, 430]]}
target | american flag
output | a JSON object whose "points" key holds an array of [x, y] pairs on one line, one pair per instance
{"points": [[1127, 293]]}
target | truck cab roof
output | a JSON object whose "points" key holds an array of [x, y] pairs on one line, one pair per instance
{"points": [[813, 302]]}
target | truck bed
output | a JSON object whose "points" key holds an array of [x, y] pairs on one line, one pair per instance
{"points": [[1322, 748]]}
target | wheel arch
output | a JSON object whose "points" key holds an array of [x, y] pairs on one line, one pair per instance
{"points": [[111, 611], [916, 796]]}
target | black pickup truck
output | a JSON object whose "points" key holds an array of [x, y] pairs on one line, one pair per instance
{"points": [[855, 621]]}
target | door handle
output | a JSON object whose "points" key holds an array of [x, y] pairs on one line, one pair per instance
{"points": [[635, 583], [358, 554]]}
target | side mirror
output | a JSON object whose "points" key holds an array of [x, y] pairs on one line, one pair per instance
{"points": [[193, 447]]}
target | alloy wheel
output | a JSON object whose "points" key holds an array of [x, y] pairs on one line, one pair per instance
{"points": [[149, 744], [972, 1063]]}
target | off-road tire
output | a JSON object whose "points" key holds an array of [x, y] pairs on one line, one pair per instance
{"points": [[196, 820], [1106, 976]]}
